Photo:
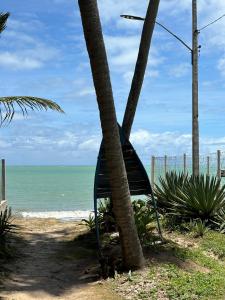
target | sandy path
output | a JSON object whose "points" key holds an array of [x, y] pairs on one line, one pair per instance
{"points": [[51, 266]]}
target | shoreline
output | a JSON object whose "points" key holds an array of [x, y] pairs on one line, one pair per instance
{"points": [[76, 215]]}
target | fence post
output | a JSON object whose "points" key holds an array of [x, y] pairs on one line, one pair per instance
{"points": [[3, 180], [218, 164], [165, 164], [153, 171], [208, 158], [185, 164]]}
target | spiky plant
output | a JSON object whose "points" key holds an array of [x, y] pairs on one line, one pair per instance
{"points": [[167, 189], [201, 197], [8, 105], [6, 225]]}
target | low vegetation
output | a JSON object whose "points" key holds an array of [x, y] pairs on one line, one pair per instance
{"points": [[190, 264], [6, 228], [144, 216], [182, 198]]}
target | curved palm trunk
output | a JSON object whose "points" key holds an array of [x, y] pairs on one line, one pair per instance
{"points": [[140, 67], [131, 248]]}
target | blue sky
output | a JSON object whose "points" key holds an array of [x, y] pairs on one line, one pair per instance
{"points": [[42, 53]]}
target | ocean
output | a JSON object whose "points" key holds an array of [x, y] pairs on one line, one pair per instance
{"points": [[50, 191], [64, 192]]}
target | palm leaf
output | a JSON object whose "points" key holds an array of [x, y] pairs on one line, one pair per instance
{"points": [[8, 105], [3, 19]]}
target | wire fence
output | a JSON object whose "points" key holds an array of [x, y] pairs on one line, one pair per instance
{"points": [[212, 164]]}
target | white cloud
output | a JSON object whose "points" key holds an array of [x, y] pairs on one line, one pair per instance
{"points": [[180, 70], [22, 49], [91, 144], [18, 62], [86, 92], [171, 143]]}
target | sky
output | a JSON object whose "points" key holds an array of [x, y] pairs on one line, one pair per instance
{"points": [[43, 54]]}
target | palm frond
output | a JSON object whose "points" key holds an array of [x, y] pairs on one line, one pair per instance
{"points": [[8, 105], [3, 20]]}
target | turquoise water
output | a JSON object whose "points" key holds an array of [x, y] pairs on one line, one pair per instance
{"points": [[50, 188], [45, 191]]}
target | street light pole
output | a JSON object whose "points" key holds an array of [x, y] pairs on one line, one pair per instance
{"points": [[194, 60], [195, 122]]}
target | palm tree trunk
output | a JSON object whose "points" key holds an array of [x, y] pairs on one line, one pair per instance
{"points": [[140, 67], [131, 248]]}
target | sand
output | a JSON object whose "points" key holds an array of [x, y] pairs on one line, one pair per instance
{"points": [[49, 265]]}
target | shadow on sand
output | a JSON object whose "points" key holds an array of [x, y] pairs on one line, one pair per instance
{"points": [[51, 261]]}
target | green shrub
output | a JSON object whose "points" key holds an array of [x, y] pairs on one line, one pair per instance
{"points": [[6, 227], [197, 227], [106, 216], [90, 222], [167, 189], [201, 197], [144, 218], [143, 214], [106, 219], [192, 197]]}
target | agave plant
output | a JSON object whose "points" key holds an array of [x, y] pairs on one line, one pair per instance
{"points": [[6, 225], [183, 197], [201, 197], [167, 189], [8, 104]]}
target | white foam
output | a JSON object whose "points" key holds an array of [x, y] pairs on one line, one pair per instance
{"points": [[63, 215]]}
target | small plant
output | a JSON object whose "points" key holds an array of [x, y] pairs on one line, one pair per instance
{"points": [[106, 217], [6, 227], [220, 222], [144, 218], [90, 222], [197, 227]]}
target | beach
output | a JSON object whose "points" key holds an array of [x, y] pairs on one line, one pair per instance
{"points": [[50, 265]]}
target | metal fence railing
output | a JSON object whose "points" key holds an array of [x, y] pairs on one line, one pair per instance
{"points": [[212, 164]]}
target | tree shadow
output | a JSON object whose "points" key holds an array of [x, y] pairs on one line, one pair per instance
{"points": [[47, 263]]}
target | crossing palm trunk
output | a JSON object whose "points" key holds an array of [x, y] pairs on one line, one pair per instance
{"points": [[131, 248], [140, 67]]}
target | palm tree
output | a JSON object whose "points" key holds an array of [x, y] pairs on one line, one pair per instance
{"points": [[140, 67], [3, 20], [131, 248], [8, 104]]}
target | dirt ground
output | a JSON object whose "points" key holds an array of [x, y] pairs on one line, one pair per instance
{"points": [[51, 265]]}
